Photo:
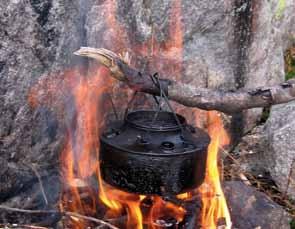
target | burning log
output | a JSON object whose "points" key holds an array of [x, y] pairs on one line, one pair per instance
{"points": [[189, 95]]}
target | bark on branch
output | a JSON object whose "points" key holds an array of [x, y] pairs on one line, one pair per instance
{"points": [[189, 95]]}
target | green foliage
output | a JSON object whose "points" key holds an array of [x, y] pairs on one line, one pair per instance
{"points": [[280, 8], [292, 224], [290, 75], [265, 115], [290, 63]]}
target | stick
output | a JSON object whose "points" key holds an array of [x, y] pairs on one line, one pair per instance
{"points": [[25, 226], [40, 182], [189, 95], [73, 214], [65, 213], [3, 207], [244, 179]]}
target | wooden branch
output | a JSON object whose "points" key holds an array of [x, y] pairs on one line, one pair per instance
{"points": [[40, 182], [24, 226], [189, 95], [65, 213]]}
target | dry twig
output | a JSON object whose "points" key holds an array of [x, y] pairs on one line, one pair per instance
{"points": [[40, 182], [23, 226], [273, 192], [65, 213]]}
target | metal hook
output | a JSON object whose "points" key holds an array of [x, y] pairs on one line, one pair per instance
{"points": [[157, 83]]}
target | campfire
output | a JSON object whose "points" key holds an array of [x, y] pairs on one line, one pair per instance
{"points": [[145, 169], [132, 155], [150, 170]]}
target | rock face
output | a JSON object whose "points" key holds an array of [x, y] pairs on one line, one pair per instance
{"points": [[271, 148], [36, 38], [280, 158], [222, 44], [272, 22], [251, 152], [252, 209]]}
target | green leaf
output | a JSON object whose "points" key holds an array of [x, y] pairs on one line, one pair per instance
{"points": [[280, 8]]}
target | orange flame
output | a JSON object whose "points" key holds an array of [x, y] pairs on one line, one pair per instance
{"points": [[214, 203], [124, 201], [171, 51], [80, 156], [162, 209]]}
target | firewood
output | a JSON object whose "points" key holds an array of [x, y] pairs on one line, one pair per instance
{"points": [[189, 95], [64, 213]]}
